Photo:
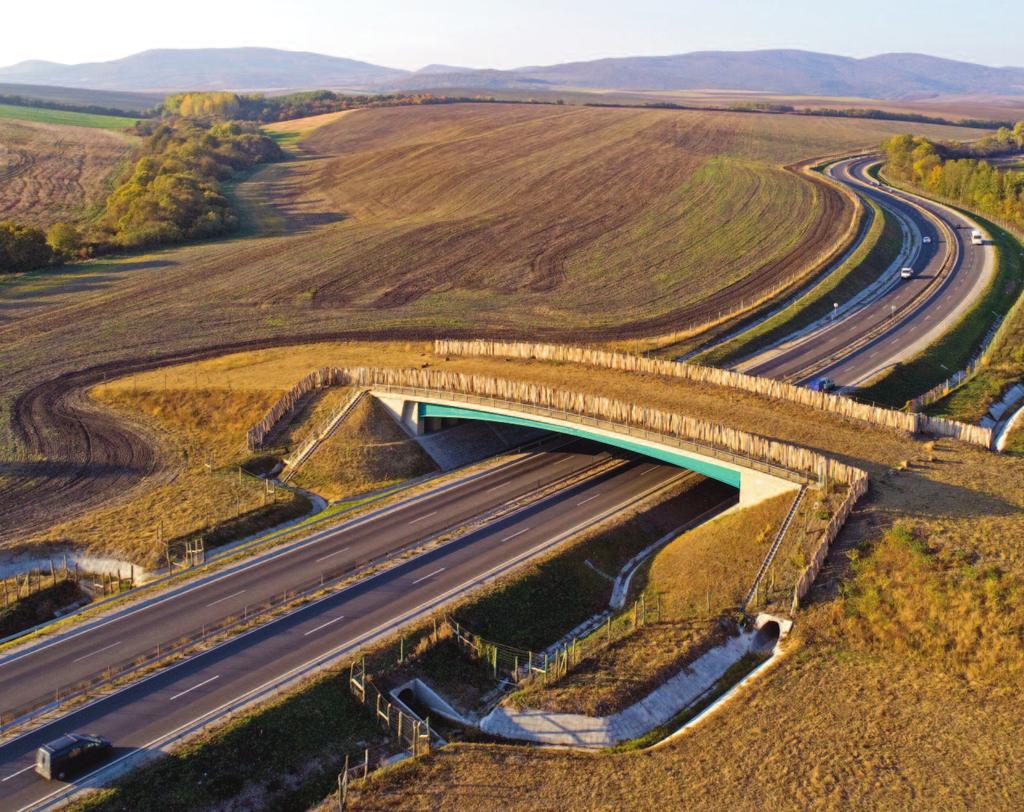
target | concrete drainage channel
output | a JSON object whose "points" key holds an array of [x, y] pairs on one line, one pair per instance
{"points": [[699, 682]]}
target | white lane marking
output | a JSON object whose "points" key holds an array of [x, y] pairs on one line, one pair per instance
{"points": [[200, 685], [336, 552], [323, 625], [514, 535], [421, 518], [588, 499], [563, 462], [19, 772], [86, 656], [227, 598], [641, 473], [498, 487], [431, 575]]}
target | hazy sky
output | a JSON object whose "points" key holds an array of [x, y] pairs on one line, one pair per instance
{"points": [[511, 33]]}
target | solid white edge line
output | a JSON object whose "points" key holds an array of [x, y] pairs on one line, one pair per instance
{"points": [[268, 555], [19, 772]]}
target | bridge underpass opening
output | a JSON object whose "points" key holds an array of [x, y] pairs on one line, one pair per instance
{"points": [[754, 485]]}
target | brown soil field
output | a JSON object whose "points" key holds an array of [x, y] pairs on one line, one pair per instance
{"points": [[494, 207], [51, 172]]}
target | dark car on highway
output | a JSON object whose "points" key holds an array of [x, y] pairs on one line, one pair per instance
{"points": [[71, 754]]}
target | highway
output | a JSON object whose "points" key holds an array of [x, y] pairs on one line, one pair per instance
{"points": [[38, 671], [139, 717], [901, 317]]}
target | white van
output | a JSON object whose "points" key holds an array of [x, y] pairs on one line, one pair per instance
{"points": [[976, 237], [906, 272]]}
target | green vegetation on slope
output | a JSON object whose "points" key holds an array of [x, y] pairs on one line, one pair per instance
{"points": [[971, 182], [934, 604], [174, 192], [67, 117], [875, 253]]}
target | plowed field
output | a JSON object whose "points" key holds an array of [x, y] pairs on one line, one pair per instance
{"points": [[51, 172]]}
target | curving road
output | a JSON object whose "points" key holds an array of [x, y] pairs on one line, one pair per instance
{"points": [[896, 319]]}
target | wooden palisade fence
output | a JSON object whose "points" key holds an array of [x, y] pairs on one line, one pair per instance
{"points": [[766, 387]]}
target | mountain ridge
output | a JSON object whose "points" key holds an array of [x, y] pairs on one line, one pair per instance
{"points": [[784, 71]]}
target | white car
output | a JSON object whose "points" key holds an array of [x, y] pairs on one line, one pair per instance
{"points": [[926, 240], [906, 272]]}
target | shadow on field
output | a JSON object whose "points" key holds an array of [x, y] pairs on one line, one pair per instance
{"points": [[81, 278]]}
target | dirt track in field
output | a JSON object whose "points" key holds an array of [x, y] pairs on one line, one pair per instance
{"points": [[369, 239]]}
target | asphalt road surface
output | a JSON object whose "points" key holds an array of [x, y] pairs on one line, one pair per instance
{"points": [[36, 673], [900, 338], [173, 700]]}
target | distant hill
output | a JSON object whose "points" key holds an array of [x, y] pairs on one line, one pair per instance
{"points": [[888, 76], [206, 69], [126, 101]]}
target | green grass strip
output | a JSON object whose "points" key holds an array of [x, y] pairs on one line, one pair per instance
{"points": [[67, 117], [876, 252], [956, 348]]}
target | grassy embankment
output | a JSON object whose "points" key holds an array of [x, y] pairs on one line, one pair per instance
{"points": [[205, 495], [959, 345], [876, 252], [537, 605], [367, 452], [699, 580], [44, 115]]}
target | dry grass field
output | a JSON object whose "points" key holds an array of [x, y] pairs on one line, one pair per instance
{"points": [[51, 172]]}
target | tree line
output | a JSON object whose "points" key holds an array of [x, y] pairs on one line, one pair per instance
{"points": [[960, 172], [266, 110], [171, 193]]}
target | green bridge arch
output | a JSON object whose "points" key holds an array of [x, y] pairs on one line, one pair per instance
{"points": [[729, 476]]}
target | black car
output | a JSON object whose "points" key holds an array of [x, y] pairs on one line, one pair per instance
{"points": [[70, 755]]}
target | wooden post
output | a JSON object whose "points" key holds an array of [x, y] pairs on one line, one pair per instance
{"points": [[342, 784], [643, 608]]}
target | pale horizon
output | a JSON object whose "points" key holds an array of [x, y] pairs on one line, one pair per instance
{"points": [[404, 34]]}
